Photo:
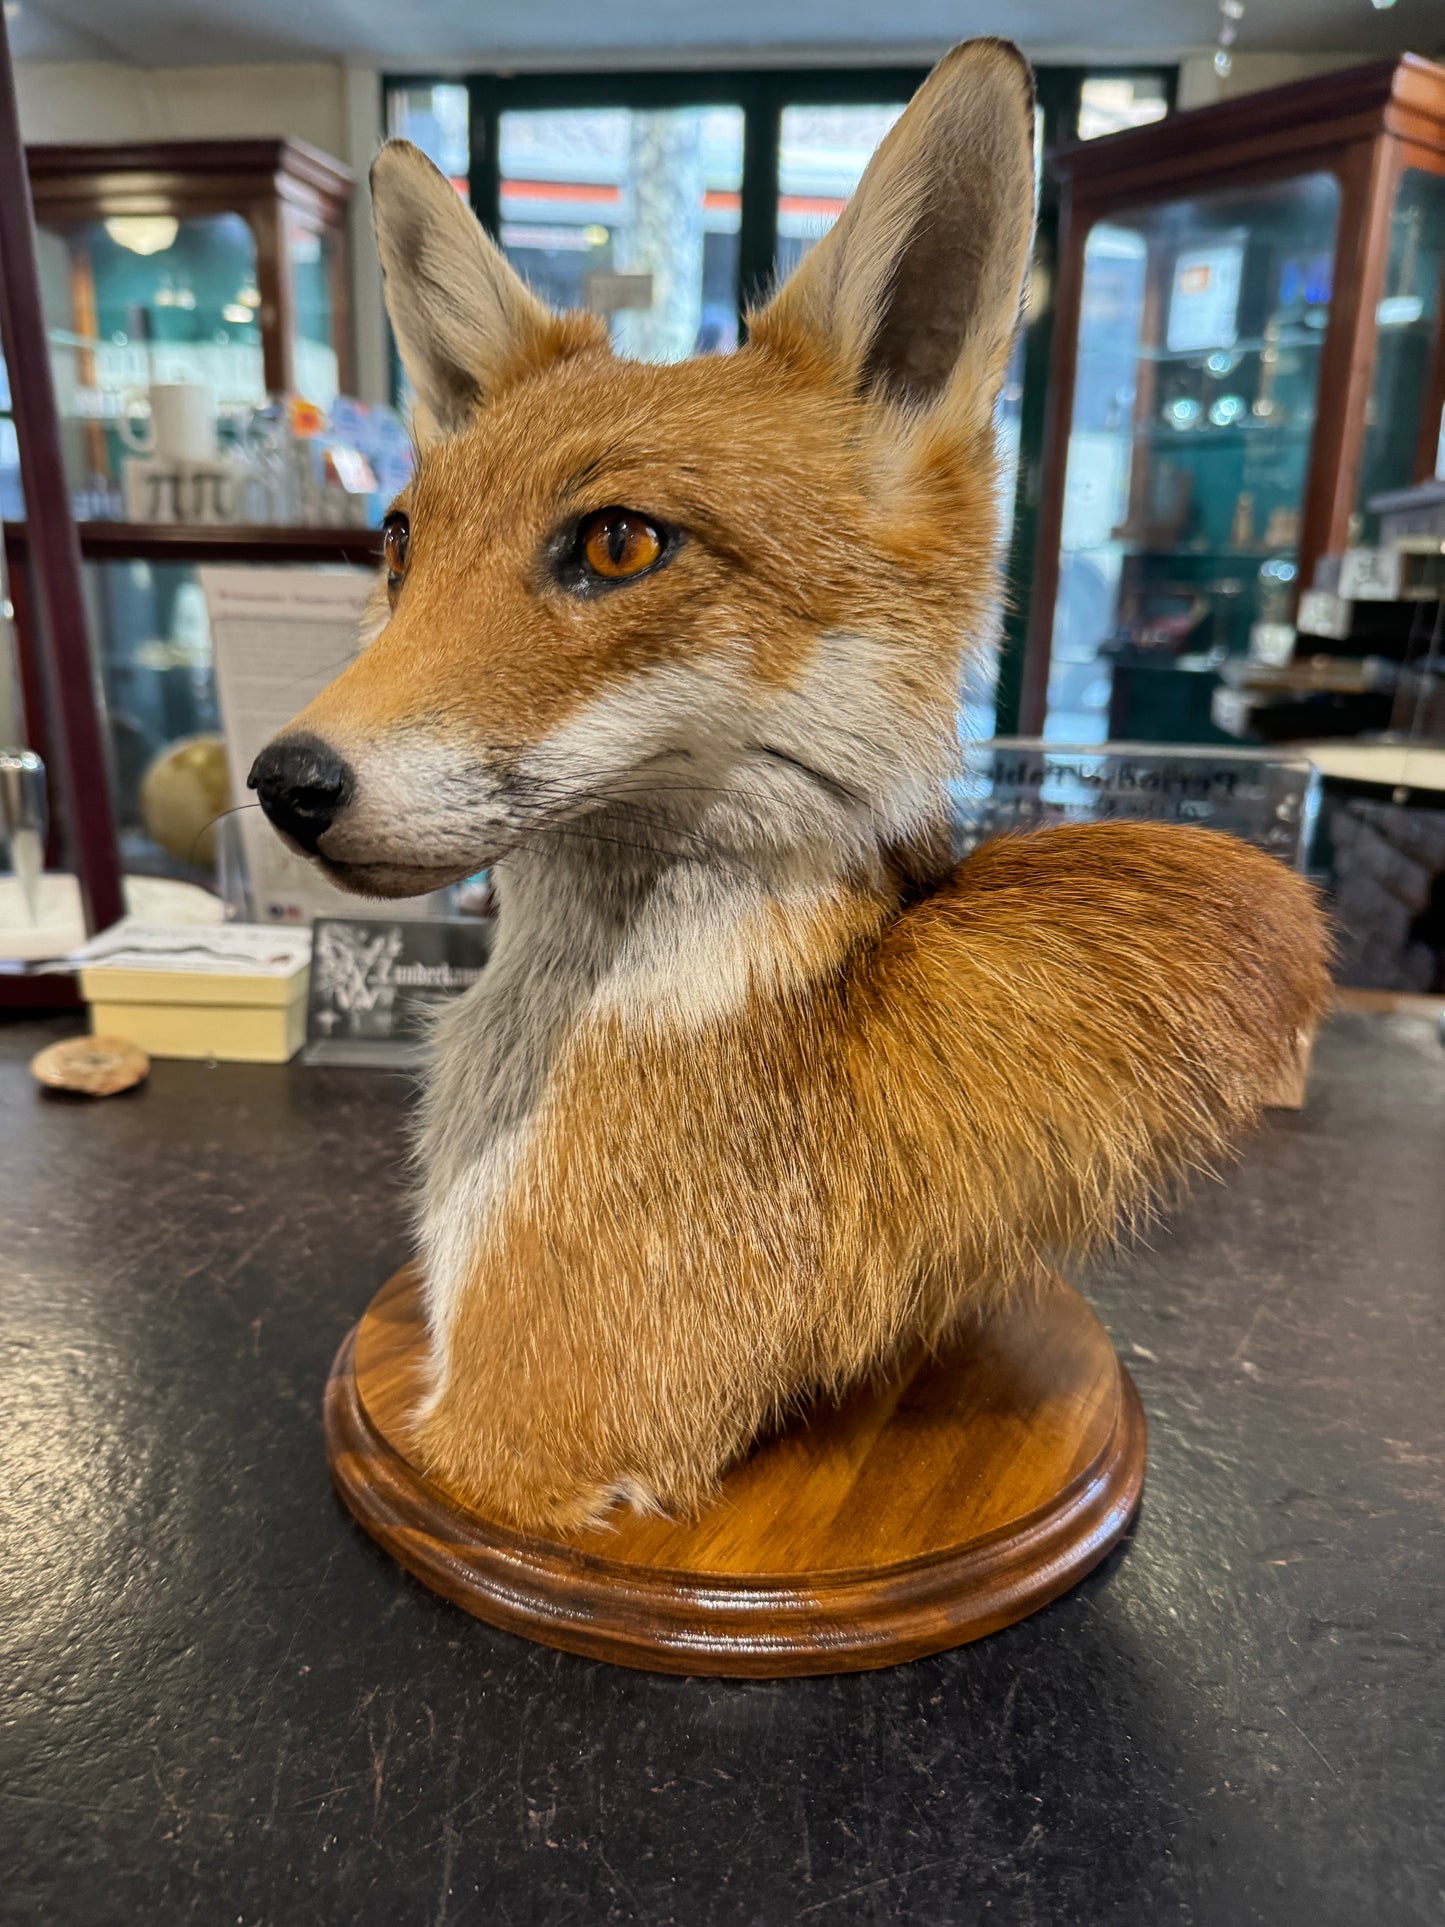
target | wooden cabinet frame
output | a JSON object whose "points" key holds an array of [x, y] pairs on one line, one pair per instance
{"points": [[266, 182]]}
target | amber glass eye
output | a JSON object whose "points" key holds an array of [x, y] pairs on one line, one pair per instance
{"points": [[620, 542], [395, 538]]}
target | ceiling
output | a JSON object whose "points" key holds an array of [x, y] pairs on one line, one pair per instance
{"points": [[484, 33]]}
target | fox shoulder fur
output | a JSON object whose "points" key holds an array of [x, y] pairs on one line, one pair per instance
{"points": [[901, 1113]]}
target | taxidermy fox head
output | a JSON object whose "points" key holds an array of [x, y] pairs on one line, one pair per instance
{"points": [[756, 1087], [729, 598]]}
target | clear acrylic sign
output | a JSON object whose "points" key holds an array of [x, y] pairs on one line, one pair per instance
{"points": [[1020, 783]]}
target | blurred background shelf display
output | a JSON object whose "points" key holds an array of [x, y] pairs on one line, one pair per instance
{"points": [[157, 684], [1247, 352], [195, 299]]}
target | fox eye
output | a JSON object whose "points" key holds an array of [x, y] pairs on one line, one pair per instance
{"points": [[395, 540], [617, 543]]}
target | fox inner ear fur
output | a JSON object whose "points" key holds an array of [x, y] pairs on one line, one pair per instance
{"points": [[465, 323], [916, 288]]}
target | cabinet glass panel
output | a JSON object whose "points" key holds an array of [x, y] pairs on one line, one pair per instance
{"points": [[137, 299], [12, 496], [1200, 334], [1408, 325], [167, 764], [633, 213]]}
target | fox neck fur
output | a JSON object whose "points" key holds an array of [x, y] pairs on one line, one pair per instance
{"points": [[669, 916]]}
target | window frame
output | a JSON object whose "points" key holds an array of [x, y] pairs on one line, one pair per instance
{"points": [[762, 93]]}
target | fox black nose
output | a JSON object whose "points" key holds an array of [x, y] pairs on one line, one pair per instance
{"points": [[303, 786]]}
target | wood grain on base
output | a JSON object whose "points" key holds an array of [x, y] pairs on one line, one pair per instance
{"points": [[942, 1503]]}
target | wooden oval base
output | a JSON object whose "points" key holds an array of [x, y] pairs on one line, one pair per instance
{"points": [[939, 1504]]}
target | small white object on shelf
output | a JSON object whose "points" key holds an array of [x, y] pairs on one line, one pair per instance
{"points": [[58, 927], [1371, 575]]}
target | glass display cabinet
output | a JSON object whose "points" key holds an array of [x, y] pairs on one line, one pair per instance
{"points": [[216, 263], [1248, 346], [212, 270]]}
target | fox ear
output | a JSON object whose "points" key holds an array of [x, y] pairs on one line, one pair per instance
{"points": [[916, 287], [462, 317]]}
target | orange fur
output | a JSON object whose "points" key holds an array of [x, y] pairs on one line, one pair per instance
{"points": [[763, 460], [710, 1226]]}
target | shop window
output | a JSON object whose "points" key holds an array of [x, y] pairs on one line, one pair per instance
{"points": [[433, 118], [633, 213], [822, 152]]}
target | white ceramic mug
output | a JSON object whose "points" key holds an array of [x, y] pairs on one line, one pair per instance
{"points": [[182, 423]]}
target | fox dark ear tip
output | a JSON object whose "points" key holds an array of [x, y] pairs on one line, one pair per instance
{"points": [[381, 161], [393, 153], [985, 44], [991, 48]]}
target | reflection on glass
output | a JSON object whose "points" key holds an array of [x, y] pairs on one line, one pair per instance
{"points": [[139, 299], [1408, 323], [1194, 404], [1110, 102], [159, 704], [12, 496], [633, 214], [821, 157]]}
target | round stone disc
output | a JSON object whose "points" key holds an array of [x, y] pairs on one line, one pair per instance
{"points": [[94, 1066]]}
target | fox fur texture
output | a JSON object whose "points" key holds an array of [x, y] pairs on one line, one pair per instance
{"points": [[759, 1087]]}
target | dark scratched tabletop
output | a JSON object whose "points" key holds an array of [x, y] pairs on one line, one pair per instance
{"points": [[220, 1703]]}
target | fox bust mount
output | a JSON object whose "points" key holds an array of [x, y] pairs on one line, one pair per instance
{"points": [[760, 1088]]}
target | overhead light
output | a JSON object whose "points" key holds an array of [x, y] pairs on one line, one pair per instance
{"points": [[143, 233], [12, 9]]}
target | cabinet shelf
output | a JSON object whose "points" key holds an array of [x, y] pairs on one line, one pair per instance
{"points": [[1223, 435], [1203, 551], [1197, 357], [178, 542]]}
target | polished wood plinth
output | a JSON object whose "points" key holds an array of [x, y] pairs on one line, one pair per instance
{"points": [[946, 1501]]}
